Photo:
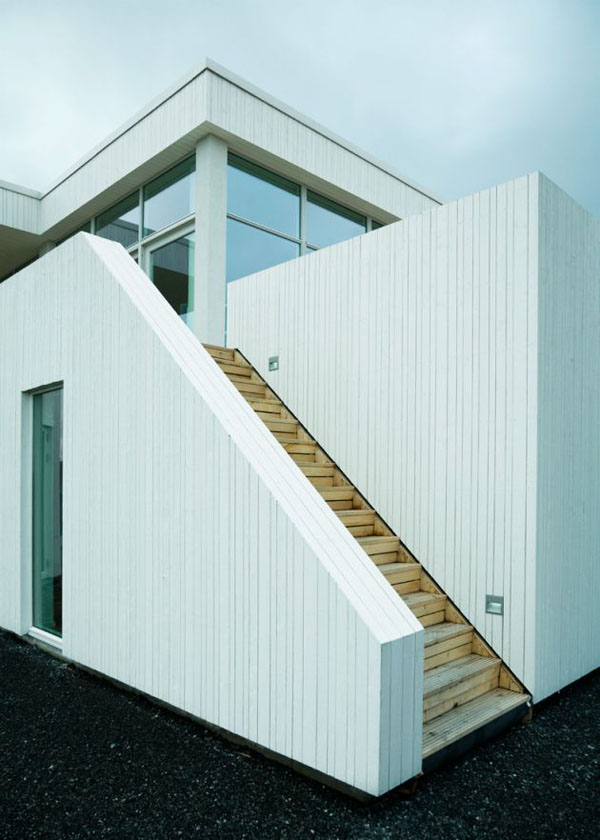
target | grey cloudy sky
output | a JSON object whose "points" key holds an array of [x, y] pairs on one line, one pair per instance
{"points": [[458, 95]]}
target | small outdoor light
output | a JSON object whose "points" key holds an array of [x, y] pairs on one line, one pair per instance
{"points": [[494, 604], [273, 362]]}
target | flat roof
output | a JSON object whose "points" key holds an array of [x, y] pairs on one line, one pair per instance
{"points": [[223, 72]]}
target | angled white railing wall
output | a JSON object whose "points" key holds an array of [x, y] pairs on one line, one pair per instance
{"points": [[200, 566]]}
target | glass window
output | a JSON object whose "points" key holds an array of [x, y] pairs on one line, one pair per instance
{"points": [[375, 225], [169, 197], [47, 511], [86, 228], [263, 197], [250, 249], [329, 222], [121, 222], [172, 272]]}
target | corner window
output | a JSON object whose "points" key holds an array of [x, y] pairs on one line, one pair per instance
{"points": [[169, 197], [261, 196], [329, 222], [250, 249]]}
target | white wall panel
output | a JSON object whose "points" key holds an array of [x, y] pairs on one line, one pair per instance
{"points": [[19, 208], [411, 354], [568, 538], [200, 566]]}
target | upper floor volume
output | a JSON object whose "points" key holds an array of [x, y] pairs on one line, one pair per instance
{"points": [[211, 181]]}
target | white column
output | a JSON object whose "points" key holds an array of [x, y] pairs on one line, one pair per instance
{"points": [[211, 225]]}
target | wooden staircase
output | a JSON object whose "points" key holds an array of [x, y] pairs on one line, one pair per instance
{"points": [[467, 688]]}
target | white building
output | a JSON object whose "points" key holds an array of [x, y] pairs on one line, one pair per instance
{"points": [[366, 533]]}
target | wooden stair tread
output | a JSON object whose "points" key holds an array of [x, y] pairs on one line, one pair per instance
{"points": [[357, 514], [463, 720], [456, 672], [317, 468], [417, 600], [220, 352], [341, 493], [376, 545], [232, 368], [442, 632]]}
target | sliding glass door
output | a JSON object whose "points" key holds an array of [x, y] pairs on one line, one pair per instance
{"points": [[47, 511]]}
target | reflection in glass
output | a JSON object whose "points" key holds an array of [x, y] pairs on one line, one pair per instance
{"points": [[250, 249], [172, 272], [47, 511], [262, 196], [169, 197], [121, 223], [375, 225], [329, 222]]}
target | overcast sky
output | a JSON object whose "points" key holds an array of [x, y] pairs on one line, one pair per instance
{"points": [[458, 95]]}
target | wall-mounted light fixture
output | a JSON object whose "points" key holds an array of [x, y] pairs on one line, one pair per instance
{"points": [[494, 604]]}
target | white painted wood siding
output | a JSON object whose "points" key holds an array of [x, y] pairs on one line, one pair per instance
{"points": [[200, 565], [411, 354], [19, 208], [568, 539]]}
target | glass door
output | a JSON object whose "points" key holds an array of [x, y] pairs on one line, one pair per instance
{"points": [[170, 266], [47, 511]]}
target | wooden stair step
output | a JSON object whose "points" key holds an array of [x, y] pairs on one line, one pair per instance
{"points": [[446, 642], [301, 451], [458, 682], [339, 498], [324, 468], [248, 388], [375, 546], [225, 353], [429, 607], [235, 369], [385, 549], [319, 474], [266, 406], [280, 424], [270, 415], [359, 522], [397, 573], [463, 720]]}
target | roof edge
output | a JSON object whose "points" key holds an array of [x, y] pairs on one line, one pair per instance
{"points": [[17, 188], [238, 81]]}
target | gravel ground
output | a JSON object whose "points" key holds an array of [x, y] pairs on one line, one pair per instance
{"points": [[80, 758]]}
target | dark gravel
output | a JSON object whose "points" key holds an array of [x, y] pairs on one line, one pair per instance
{"points": [[80, 758]]}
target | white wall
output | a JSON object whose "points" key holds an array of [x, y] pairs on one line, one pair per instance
{"points": [[200, 566], [568, 540], [19, 207], [411, 354]]}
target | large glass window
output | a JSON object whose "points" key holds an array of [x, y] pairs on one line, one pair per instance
{"points": [[122, 222], [47, 511], [251, 249], [171, 269], [169, 197], [271, 219], [329, 222], [261, 196]]}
